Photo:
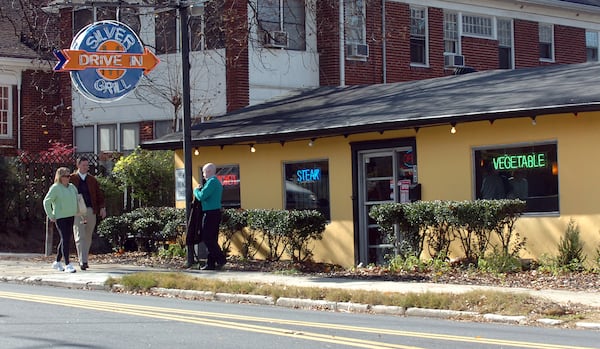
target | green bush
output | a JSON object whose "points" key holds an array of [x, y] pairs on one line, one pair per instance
{"points": [[570, 249]]}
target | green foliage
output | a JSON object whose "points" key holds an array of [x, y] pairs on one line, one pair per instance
{"points": [[149, 174], [174, 250], [570, 249], [409, 263], [438, 223], [113, 195], [273, 225], [233, 221], [150, 226], [303, 227], [499, 262]]}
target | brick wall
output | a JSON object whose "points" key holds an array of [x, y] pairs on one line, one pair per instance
{"points": [[328, 42], [569, 44], [481, 54], [236, 43]]}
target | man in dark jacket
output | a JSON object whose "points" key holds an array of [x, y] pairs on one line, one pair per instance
{"points": [[88, 187]]}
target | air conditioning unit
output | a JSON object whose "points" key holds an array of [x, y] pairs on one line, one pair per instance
{"points": [[275, 39], [357, 51], [453, 60]]}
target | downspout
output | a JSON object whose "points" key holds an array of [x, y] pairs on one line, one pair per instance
{"points": [[342, 49], [383, 42], [19, 111]]}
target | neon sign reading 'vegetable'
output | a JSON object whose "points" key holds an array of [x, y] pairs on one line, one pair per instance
{"points": [[517, 161]]}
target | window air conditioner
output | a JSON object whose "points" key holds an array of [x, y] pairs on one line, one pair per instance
{"points": [[453, 60], [275, 39], [357, 51]]}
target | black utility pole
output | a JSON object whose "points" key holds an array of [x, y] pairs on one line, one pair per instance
{"points": [[187, 122]]}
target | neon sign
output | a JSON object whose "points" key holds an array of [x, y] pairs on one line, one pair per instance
{"points": [[308, 175], [519, 161], [106, 61], [228, 179]]}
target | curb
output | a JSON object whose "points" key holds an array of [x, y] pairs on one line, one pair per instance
{"points": [[303, 303]]}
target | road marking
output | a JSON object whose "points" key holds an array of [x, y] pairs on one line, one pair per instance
{"points": [[214, 319]]}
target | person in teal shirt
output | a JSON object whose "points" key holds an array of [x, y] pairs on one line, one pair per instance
{"points": [[210, 195], [60, 205]]}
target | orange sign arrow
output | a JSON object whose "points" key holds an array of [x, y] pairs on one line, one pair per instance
{"points": [[81, 60]]}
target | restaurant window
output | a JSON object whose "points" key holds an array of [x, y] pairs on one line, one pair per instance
{"points": [[107, 138], [526, 172], [306, 186], [229, 176]]}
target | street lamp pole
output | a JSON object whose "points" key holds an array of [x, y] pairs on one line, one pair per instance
{"points": [[187, 122]]}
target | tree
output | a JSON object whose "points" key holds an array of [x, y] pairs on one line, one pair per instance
{"points": [[149, 174]]}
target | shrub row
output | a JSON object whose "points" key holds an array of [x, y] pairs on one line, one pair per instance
{"points": [[274, 233], [435, 224]]}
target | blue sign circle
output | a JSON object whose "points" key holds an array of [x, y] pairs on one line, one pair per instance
{"points": [[107, 84]]}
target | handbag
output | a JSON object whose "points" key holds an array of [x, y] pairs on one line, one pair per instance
{"points": [[81, 206], [193, 234]]}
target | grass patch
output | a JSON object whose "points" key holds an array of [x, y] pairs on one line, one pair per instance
{"points": [[477, 301]]}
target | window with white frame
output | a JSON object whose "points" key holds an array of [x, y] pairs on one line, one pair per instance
{"points": [[281, 23], [354, 13], [206, 26], [546, 41], [505, 43], [479, 26], [451, 42], [162, 128], [107, 138], [165, 31], [84, 139], [418, 35], [130, 137], [84, 16], [5, 111], [591, 46]]}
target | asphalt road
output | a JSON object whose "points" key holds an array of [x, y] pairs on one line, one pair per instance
{"points": [[49, 317]]}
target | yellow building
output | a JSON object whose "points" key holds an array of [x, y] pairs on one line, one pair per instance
{"points": [[343, 150]]}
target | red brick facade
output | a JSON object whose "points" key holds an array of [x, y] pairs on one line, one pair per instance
{"points": [[237, 73], [479, 53]]}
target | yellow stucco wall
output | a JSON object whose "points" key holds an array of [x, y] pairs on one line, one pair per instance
{"points": [[445, 171]]}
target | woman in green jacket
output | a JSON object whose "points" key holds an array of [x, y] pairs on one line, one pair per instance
{"points": [[60, 205]]}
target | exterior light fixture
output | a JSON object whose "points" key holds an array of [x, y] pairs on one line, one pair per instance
{"points": [[533, 122], [252, 149], [196, 151], [453, 129], [311, 142]]}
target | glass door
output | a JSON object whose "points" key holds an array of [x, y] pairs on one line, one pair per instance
{"points": [[384, 176]]}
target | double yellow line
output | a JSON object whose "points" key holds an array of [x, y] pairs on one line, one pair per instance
{"points": [[244, 323]]}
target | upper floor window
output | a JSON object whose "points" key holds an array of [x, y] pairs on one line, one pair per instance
{"points": [[85, 16], [591, 46], [505, 44], [5, 111], [107, 138], [481, 26], [281, 23], [418, 35], [130, 137], [206, 26], [165, 32], [451, 37], [354, 13], [546, 39]]}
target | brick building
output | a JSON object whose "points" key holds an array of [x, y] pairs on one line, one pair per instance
{"points": [[245, 55]]}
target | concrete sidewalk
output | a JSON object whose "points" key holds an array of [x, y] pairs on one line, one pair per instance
{"points": [[20, 268]]}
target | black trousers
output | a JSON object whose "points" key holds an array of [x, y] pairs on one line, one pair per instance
{"points": [[65, 231], [210, 236]]}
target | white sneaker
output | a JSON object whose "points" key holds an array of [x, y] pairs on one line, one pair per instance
{"points": [[69, 269], [58, 266]]}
